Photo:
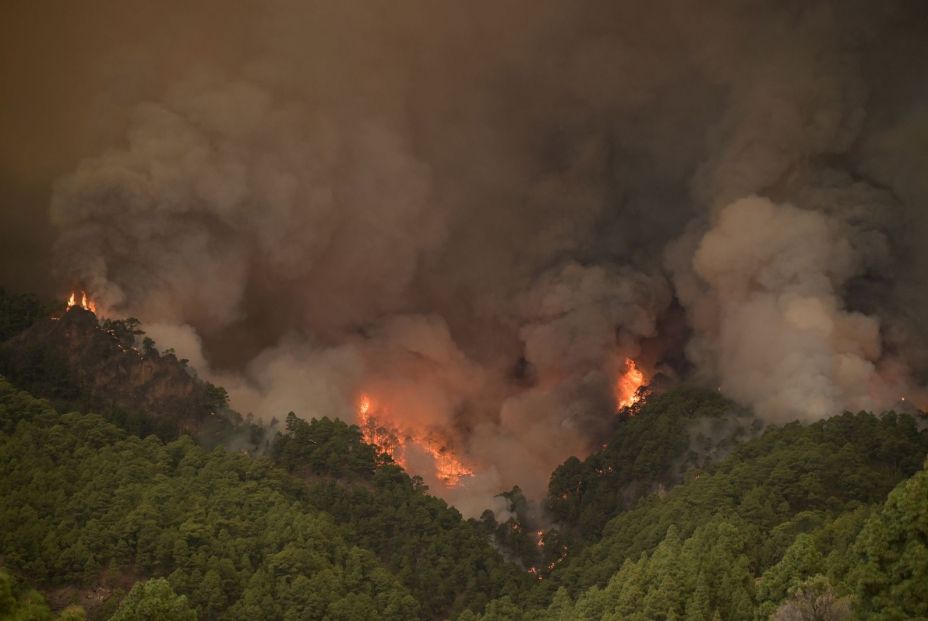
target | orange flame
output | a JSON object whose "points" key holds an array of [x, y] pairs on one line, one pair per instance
{"points": [[448, 468], [627, 385], [386, 439], [392, 440], [85, 303]]}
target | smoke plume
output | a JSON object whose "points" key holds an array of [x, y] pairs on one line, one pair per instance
{"points": [[475, 213], [782, 340]]}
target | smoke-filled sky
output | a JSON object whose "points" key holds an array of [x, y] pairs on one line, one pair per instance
{"points": [[475, 212]]}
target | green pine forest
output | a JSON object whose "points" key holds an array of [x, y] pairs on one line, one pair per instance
{"points": [[691, 511]]}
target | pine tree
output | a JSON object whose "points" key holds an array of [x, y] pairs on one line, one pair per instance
{"points": [[892, 582], [154, 600], [697, 607]]}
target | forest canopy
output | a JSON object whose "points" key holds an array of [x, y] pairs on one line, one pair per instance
{"points": [[326, 527]]}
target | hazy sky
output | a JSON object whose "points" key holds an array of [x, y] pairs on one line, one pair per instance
{"points": [[69, 72]]}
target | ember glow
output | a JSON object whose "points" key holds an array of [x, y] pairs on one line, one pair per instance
{"points": [[85, 302], [378, 429], [627, 385]]}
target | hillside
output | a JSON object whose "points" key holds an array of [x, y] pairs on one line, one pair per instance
{"points": [[792, 514], [691, 509], [531, 310], [75, 360], [655, 445], [90, 509]]}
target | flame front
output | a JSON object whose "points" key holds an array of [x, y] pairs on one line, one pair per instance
{"points": [[448, 468], [389, 438], [627, 385], [86, 303]]}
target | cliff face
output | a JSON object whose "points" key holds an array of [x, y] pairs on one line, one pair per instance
{"points": [[73, 358]]}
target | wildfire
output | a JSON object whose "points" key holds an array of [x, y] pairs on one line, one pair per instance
{"points": [[627, 385], [537, 573], [448, 468], [373, 432], [392, 440], [85, 302]]}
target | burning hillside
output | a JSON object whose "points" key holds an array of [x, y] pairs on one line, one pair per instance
{"points": [[84, 302], [494, 243], [627, 385], [395, 439], [492, 235]]}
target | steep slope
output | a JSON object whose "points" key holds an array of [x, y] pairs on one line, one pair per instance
{"points": [[790, 480], [77, 362], [88, 506], [869, 563], [771, 526], [654, 445]]}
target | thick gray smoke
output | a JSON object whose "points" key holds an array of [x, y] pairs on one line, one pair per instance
{"points": [[474, 213], [781, 339]]}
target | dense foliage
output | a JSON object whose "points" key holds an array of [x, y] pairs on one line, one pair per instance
{"points": [[443, 560], [521, 534], [790, 480], [19, 602], [238, 537], [892, 581], [787, 524], [654, 444], [154, 600], [688, 512], [79, 361], [872, 563]]}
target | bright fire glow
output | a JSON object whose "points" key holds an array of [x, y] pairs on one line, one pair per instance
{"points": [[389, 438], [627, 385], [85, 303]]}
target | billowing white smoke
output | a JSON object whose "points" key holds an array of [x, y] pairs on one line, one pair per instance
{"points": [[780, 339], [766, 284]]}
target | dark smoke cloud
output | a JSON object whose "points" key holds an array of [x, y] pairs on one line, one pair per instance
{"points": [[407, 199]]}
